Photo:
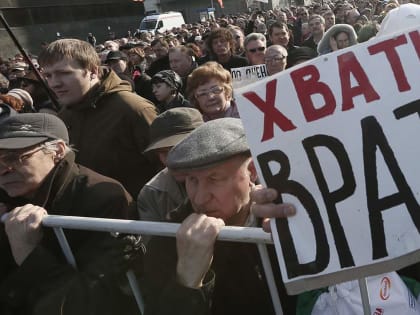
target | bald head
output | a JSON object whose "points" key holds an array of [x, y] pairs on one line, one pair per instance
{"points": [[275, 59]]}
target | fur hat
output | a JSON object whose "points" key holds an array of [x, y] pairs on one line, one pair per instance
{"points": [[324, 44]]}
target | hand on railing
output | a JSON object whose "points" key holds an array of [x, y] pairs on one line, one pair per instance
{"points": [[195, 242], [23, 227]]}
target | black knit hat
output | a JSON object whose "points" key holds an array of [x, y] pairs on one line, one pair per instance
{"points": [[169, 77]]}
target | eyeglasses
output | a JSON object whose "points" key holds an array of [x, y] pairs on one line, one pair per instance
{"points": [[216, 90], [254, 50], [12, 160], [274, 59]]}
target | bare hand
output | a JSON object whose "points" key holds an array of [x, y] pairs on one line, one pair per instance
{"points": [[263, 206], [195, 243], [24, 230], [333, 44]]}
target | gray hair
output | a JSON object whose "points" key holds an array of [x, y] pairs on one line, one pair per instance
{"points": [[254, 36], [279, 48], [51, 146]]}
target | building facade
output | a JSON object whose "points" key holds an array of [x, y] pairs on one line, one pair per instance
{"points": [[191, 9], [34, 22]]}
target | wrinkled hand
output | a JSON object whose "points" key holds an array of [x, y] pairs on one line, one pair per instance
{"points": [[195, 243], [263, 206], [24, 230]]}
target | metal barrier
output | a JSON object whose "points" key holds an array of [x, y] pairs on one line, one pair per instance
{"points": [[228, 233], [233, 234]]}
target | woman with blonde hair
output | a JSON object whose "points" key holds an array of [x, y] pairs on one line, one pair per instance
{"points": [[209, 89]]}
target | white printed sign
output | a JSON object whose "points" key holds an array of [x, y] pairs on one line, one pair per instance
{"points": [[246, 75], [337, 137]]}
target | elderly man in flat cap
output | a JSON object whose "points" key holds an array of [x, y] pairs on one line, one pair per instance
{"points": [[197, 275]]}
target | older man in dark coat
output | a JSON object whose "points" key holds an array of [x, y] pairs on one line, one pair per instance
{"points": [[39, 176]]}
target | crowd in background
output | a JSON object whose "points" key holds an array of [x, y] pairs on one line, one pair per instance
{"points": [[297, 33], [146, 127]]}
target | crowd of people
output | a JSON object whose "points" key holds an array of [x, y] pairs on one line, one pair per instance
{"points": [[147, 128]]}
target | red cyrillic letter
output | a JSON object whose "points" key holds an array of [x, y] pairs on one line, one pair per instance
{"points": [[388, 47], [271, 114], [347, 65], [305, 87]]}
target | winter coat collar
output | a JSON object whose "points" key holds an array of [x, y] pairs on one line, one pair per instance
{"points": [[55, 183], [109, 84]]}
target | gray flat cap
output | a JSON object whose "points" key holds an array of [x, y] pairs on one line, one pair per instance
{"points": [[211, 143]]}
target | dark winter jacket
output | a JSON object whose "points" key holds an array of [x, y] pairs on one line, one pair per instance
{"points": [[45, 284], [110, 131], [178, 101], [236, 283]]}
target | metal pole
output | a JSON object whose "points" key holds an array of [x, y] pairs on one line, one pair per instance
{"points": [[132, 280], [262, 248], [364, 293], [29, 61], [238, 234], [229, 233], [65, 246]]}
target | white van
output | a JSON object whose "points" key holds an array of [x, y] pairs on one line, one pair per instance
{"points": [[161, 22]]}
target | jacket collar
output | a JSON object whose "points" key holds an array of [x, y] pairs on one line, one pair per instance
{"points": [[56, 182], [110, 83]]}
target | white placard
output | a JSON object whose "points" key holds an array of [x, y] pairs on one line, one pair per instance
{"points": [[338, 137], [246, 75]]}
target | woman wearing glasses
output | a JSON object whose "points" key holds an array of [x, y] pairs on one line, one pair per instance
{"points": [[209, 89]]}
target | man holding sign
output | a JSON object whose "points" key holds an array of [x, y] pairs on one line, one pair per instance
{"points": [[202, 276]]}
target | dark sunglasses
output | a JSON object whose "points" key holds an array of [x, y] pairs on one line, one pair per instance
{"points": [[254, 50]]}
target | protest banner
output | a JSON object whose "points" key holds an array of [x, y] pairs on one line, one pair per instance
{"points": [[337, 137], [246, 75]]}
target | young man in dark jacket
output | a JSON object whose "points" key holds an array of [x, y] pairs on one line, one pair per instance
{"points": [[39, 175], [108, 124]]}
